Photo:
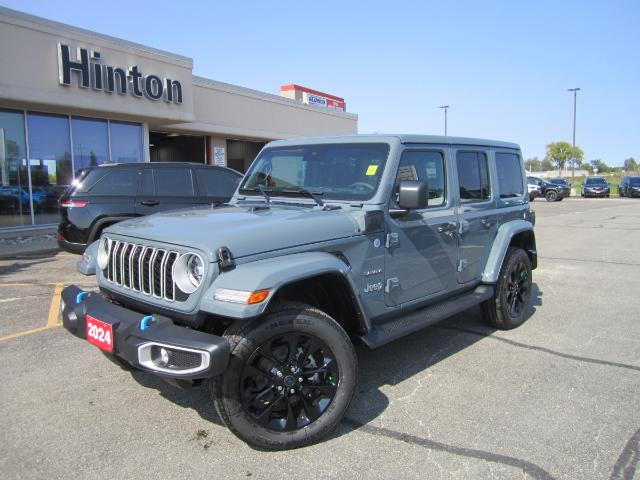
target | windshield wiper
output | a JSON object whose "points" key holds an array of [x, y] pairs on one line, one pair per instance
{"points": [[261, 190], [304, 191]]}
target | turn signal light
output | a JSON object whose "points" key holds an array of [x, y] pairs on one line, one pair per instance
{"points": [[258, 296], [69, 203], [240, 296]]}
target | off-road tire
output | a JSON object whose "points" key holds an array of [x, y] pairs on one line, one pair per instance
{"points": [[245, 337], [497, 310], [551, 196]]}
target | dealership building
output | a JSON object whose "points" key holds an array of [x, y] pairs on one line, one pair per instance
{"points": [[71, 98]]}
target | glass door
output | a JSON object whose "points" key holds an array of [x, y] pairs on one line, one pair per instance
{"points": [[15, 206]]}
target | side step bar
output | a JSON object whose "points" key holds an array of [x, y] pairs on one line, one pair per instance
{"points": [[418, 319]]}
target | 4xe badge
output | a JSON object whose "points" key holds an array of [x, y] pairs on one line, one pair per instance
{"points": [[373, 287]]}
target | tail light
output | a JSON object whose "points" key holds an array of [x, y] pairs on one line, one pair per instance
{"points": [[73, 204]]}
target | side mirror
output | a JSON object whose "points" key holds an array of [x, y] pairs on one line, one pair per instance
{"points": [[413, 194]]}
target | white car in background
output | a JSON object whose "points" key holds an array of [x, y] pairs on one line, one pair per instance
{"points": [[534, 191]]}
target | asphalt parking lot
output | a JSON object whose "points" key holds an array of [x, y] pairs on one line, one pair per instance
{"points": [[555, 398]]}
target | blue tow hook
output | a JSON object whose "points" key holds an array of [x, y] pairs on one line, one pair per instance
{"points": [[146, 322], [80, 297]]}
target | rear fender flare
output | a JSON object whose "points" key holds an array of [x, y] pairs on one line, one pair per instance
{"points": [[99, 225], [500, 246]]}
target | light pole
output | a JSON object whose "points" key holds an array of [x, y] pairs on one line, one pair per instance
{"points": [[445, 107], [573, 152]]}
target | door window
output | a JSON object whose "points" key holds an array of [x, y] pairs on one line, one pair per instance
{"points": [[120, 182], [428, 167], [509, 175], [215, 182], [473, 176], [173, 182]]}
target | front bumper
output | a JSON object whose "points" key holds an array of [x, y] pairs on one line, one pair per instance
{"points": [[201, 355], [596, 193]]}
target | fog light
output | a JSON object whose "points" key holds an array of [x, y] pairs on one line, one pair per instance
{"points": [[164, 357]]}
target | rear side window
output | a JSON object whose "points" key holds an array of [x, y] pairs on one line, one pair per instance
{"points": [[509, 175], [473, 176], [173, 182], [425, 166], [216, 182], [120, 182], [89, 179]]}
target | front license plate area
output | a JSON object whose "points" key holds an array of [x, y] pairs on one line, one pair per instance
{"points": [[100, 334]]}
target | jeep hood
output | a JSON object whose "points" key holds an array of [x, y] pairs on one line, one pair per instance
{"points": [[244, 230]]}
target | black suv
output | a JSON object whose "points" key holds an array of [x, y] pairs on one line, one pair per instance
{"points": [[562, 184], [595, 187], [550, 191], [107, 194], [629, 187]]}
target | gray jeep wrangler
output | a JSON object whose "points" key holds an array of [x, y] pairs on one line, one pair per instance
{"points": [[327, 241]]}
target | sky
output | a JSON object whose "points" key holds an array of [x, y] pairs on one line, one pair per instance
{"points": [[504, 67]]}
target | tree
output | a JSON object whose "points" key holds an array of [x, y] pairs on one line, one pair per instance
{"points": [[588, 167], [630, 165], [559, 153], [600, 166], [533, 164], [547, 165]]}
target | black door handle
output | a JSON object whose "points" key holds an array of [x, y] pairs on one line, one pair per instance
{"points": [[150, 203]]}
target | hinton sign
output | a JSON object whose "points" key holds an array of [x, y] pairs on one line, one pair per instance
{"points": [[93, 74]]}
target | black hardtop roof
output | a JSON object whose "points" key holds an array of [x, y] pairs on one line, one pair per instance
{"points": [[161, 165]]}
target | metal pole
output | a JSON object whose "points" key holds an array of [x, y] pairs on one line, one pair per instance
{"points": [[573, 152], [445, 108]]}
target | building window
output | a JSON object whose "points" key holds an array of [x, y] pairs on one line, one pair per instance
{"points": [[15, 207], [126, 142], [50, 163], [58, 146], [90, 142]]}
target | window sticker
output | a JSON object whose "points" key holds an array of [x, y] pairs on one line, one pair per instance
{"points": [[372, 170]]}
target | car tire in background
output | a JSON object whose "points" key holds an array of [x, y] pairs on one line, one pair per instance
{"points": [[551, 195]]}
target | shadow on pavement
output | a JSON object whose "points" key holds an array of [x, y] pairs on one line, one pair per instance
{"points": [[388, 365]]}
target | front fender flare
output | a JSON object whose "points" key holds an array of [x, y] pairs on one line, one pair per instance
{"points": [[269, 274], [500, 245], [87, 265]]}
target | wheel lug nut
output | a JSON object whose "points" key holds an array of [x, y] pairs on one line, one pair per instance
{"points": [[292, 391], [293, 369], [300, 379], [279, 388], [279, 373]]}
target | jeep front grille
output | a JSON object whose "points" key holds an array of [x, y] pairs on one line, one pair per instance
{"points": [[143, 269]]}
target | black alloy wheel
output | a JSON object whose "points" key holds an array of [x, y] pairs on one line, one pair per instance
{"points": [[289, 381], [551, 195], [517, 291], [509, 305], [292, 374]]}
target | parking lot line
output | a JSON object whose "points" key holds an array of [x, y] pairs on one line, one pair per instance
{"points": [[54, 309], [27, 332]]}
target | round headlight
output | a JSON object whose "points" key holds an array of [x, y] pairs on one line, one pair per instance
{"points": [[188, 271], [103, 253], [195, 268]]}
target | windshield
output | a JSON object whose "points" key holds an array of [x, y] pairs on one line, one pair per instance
{"points": [[596, 181], [558, 181], [634, 182], [345, 171]]}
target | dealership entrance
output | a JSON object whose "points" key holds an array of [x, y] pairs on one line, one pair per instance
{"points": [[242, 153], [177, 147]]}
